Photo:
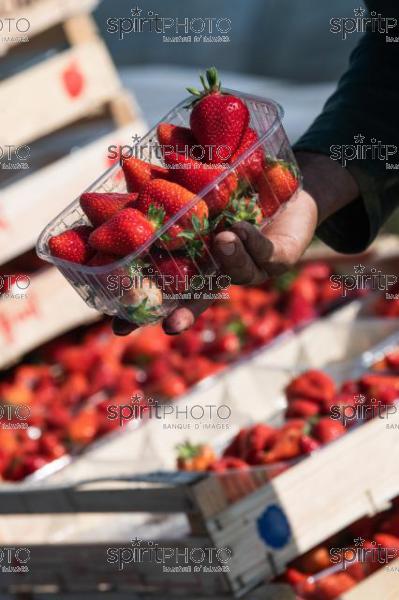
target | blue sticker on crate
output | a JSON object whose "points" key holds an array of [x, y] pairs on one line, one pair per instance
{"points": [[273, 527]]}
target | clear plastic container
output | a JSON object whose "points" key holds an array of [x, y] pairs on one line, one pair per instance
{"points": [[114, 289]]}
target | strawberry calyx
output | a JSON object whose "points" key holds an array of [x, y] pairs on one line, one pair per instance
{"points": [[143, 315], [187, 450], [283, 282], [241, 208], [211, 84], [195, 244], [156, 216]]}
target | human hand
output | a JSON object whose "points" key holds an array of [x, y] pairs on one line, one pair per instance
{"points": [[249, 255]]}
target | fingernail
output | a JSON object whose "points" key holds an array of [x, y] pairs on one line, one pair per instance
{"points": [[228, 249]]}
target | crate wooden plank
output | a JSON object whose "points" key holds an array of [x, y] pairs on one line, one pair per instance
{"points": [[62, 90], [55, 500], [47, 192], [41, 15], [311, 501], [383, 584], [51, 308], [78, 567]]}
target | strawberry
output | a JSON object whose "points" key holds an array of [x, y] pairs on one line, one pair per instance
{"points": [[226, 345], [174, 274], [101, 207], [298, 310], [170, 386], [138, 173], [196, 176], [217, 119], [172, 198], [333, 586], [276, 186], [174, 138], [265, 328], [253, 166], [314, 561], [302, 407], [143, 301], [227, 464], [287, 445], [305, 287], [82, 427], [124, 233], [195, 457], [327, 430], [308, 444], [72, 245], [314, 385]]}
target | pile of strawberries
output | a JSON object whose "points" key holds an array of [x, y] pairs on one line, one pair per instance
{"points": [[387, 307], [69, 383], [307, 573], [309, 423], [171, 196]]}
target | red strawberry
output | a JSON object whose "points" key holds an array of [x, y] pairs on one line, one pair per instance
{"points": [[170, 386], [226, 345], [227, 464], [265, 328], [174, 138], [308, 444], [314, 385], [253, 166], [276, 185], [327, 430], [72, 245], [138, 173], [175, 274], [218, 120], [302, 407], [172, 198], [333, 586], [299, 310], [196, 176], [101, 207], [123, 234]]}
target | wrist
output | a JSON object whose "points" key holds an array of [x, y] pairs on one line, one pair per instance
{"points": [[331, 186]]}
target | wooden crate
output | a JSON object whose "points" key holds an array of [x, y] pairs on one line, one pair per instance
{"points": [[50, 308], [265, 523], [41, 15]]}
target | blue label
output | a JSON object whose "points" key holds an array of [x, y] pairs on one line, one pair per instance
{"points": [[273, 527]]}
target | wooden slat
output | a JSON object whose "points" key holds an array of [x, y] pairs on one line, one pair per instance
{"points": [[82, 568], [51, 308], [55, 500], [47, 192], [41, 14], [56, 92]]}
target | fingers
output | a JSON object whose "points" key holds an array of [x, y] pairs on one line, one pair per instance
{"points": [[234, 260], [121, 327], [183, 318], [259, 247]]}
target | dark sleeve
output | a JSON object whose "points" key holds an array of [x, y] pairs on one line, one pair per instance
{"points": [[359, 127]]}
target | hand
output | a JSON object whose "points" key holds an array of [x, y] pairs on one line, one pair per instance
{"points": [[249, 256]]}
